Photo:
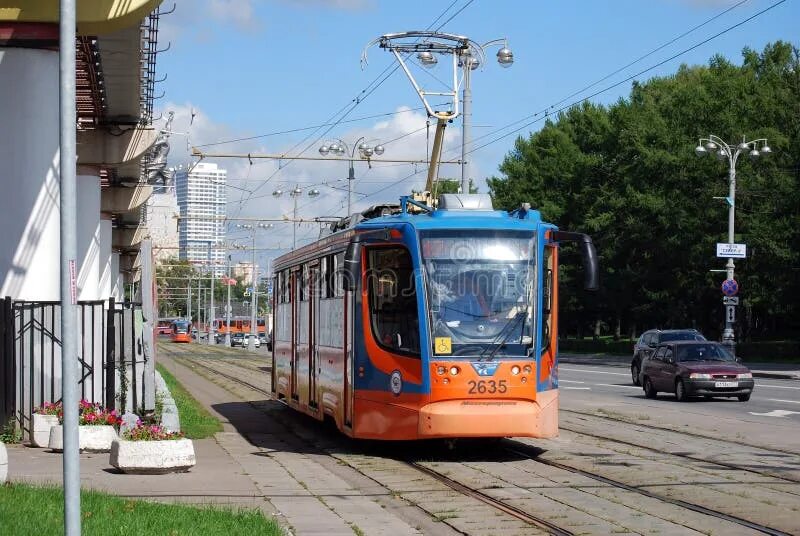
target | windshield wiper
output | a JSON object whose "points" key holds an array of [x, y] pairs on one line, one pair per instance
{"points": [[510, 325]]}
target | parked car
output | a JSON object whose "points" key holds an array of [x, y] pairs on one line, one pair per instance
{"points": [[237, 339], [246, 341], [694, 368], [649, 340]]}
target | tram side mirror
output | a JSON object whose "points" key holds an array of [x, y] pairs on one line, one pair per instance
{"points": [[352, 266], [591, 279]]}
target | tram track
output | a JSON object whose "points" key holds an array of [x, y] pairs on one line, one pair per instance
{"points": [[531, 452], [502, 506], [520, 450]]}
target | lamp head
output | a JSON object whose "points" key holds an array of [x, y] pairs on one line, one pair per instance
{"points": [[313, 192], [505, 57], [277, 193], [700, 151], [367, 151], [711, 147], [754, 154], [379, 149], [324, 150], [766, 151], [743, 146], [722, 154], [427, 59]]}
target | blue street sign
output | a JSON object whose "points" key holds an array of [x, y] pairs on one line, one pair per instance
{"points": [[730, 287]]}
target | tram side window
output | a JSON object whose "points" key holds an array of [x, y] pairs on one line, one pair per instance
{"points": [[393, 300], [338, 278], [303, 283]]}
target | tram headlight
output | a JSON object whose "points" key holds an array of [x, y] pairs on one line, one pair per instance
{"points": [[446, 380], [515, 370], [524, 379], [454, 371], [440, 370], [526, 369]]}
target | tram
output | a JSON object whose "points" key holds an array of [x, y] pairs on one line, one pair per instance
{"points": [[181, 331], [418, 322]]}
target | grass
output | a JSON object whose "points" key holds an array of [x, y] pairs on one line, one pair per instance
{"points": [[27, 509], [196, 421]]}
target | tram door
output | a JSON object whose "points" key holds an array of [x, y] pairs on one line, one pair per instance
{"points": [[349, 335], [295, 294], [314, 290]]}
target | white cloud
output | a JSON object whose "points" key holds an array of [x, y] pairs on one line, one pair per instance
{"points": [[384, 182], [239, 13], [350, 5]]}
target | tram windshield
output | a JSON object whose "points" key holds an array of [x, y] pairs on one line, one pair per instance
{"points": [[480, 292], [181, 326]]}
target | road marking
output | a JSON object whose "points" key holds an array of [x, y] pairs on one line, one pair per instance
{"points": [[776, 386], [578, 388], [789, 401], [776, 413], [569, 381], [594, 371], [623, 386]]}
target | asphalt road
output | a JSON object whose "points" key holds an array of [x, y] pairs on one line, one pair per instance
{"points": [[771, 418]]}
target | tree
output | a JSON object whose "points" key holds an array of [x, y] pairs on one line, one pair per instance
{"points": [[627, 175]]}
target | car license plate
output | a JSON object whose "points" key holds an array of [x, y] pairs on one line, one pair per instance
{"points": [[726, 384]]}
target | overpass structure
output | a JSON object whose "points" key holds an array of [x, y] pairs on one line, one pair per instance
{"points": [[121, 152]]}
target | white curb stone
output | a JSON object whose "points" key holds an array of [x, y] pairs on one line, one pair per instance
{"points": [[41, 429], [3, 463], [153, 457], [91, 438]]}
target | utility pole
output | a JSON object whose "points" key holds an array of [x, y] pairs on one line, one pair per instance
{"points": [[228, 307], [466, 124], [69, 270], [723, 151], [212, 326], [253, 330]]}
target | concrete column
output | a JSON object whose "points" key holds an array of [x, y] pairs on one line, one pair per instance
{"points": [[88, 231], [117, 289], [106, 275], [29, 242]]}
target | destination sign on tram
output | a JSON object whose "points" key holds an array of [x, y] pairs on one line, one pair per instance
{"points": [[732, 251]]}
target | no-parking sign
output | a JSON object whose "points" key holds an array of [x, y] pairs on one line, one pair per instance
{"points": [[730, 287]]}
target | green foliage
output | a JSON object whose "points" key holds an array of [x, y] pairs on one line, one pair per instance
{"points": [[196, 421], [28, 509], [11, 434], [627, 175]]}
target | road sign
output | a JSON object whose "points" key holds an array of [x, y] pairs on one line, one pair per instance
{"points": [[730, 287], [733, 251], [730, 300], [730, 313]]}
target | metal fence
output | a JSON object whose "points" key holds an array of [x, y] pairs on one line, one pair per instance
{"points": [[110, 352]]}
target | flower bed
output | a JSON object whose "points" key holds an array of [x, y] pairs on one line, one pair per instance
{"points": [[150, 449], [44, 418], [96, 429]]}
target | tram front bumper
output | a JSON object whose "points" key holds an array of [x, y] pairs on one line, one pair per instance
{"points": [[491, 417]]}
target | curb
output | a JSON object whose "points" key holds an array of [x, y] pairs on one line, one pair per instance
{"points": [[170, 419]]}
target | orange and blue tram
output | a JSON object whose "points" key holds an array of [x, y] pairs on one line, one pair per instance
{"points": [[418, 322], [181, 331]]}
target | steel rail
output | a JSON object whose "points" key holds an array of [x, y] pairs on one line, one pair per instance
{"points": [[519, 451]]}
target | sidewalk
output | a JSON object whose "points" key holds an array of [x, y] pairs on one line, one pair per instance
{"points": [[255, 462], [778, 371]]}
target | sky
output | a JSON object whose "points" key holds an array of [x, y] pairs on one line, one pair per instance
{"points": [[258, 68]]}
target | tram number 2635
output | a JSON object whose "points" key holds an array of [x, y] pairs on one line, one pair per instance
{"points": [[490, 386]]}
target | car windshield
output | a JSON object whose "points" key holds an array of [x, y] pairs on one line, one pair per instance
{"points": [[682, 336], [479, 291], [703, 352]]}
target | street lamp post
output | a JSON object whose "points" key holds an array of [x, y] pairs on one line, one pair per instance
{"points": [[254, 282], [470, 62], [724, 151], [212, 329], [295, 193], [337, 147], [228, 306]]}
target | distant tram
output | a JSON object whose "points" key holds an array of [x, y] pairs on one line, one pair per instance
{"points": [[181, 331], [425, 323]]}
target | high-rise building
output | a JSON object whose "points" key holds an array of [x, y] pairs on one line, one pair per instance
{"points": [[202, 201]]}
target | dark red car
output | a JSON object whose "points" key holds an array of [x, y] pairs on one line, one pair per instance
{"points": [[689, 368]]}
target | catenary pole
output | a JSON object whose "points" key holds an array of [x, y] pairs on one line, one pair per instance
{"points": [[466, 125], [228, 306], [253, 330], [69, 297]]}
